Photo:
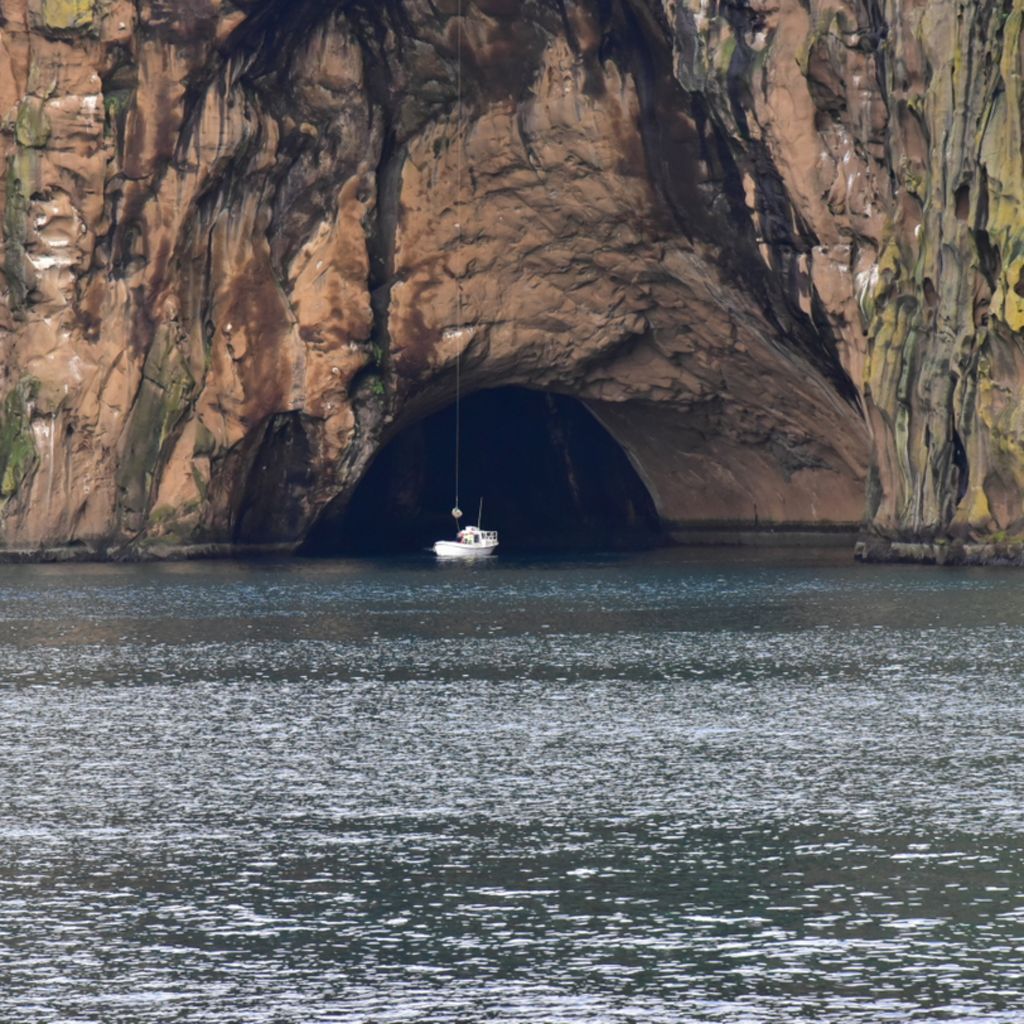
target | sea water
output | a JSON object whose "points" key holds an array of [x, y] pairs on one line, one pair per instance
{"points": [[664, 787]]}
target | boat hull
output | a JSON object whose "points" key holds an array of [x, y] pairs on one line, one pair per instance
{"points": [[453, 549]]}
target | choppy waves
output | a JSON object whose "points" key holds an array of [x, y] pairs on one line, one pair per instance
{"points": [[619, 791]]}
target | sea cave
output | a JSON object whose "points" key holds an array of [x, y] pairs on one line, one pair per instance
{"points": [[549, 475]]}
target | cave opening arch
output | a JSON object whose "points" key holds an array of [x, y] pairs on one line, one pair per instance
{"points": [[550, 476]]}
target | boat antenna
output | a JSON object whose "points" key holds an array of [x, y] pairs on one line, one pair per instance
{"points": [[480, 515], [456, 513]]}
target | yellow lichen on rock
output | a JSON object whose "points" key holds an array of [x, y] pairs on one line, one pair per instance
{"points": [[68, 14]]}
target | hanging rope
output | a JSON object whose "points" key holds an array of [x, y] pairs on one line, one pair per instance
{"points": [[458, 253]]}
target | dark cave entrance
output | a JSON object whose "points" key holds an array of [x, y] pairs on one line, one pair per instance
{"points": [[551, 477]]}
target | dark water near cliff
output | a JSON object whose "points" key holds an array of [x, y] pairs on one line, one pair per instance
{"points": [[643, 788]]}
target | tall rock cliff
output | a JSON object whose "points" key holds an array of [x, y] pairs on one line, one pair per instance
{"points": [[773, 246]]}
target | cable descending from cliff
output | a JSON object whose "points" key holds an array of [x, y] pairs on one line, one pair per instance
{"points": [[470, 541], [458, 253]]}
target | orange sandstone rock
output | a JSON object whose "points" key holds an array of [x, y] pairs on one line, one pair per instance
{"points": [[757, 240]]}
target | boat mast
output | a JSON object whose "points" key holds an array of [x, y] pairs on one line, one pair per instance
{"points": [[456, 512]]}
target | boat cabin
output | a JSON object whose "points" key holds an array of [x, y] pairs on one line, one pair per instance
{"points": [[474, 535]]}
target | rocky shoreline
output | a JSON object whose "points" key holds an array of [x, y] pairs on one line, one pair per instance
{"points": [[863, 549], [952, 553], [84, 553]]}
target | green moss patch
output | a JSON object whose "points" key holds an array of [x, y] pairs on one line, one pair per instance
{"points": [[15, 228], [32, 128], [171, 524], [18, 455], [163, 402]]}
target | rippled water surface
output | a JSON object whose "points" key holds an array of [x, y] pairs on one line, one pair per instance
{"points": [[652, 788]]}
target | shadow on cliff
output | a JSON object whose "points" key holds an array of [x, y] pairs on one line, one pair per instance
{"points": [[549, 474]]}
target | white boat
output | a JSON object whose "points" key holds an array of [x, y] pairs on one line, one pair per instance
{"points": [[471, 542]]}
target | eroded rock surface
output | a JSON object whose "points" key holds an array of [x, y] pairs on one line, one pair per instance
{"points": [[772, 245]]}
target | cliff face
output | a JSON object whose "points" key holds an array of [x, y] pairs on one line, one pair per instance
{"points": [[772, 246]]}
